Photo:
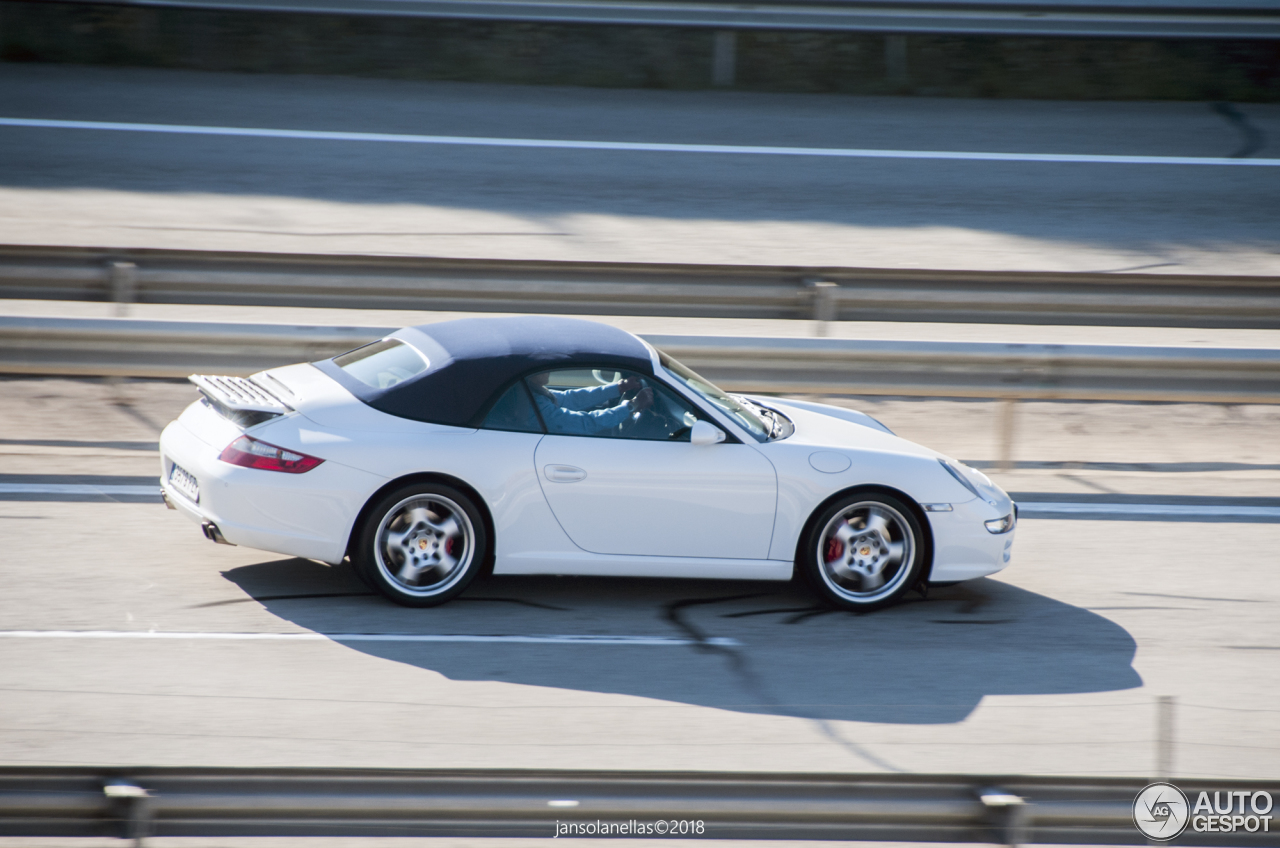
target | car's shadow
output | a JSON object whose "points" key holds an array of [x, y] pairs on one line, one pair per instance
{"points": [[922, 662]]}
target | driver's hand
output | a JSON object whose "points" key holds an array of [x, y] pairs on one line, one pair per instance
{"points": [[643, 399], [629, 385]]}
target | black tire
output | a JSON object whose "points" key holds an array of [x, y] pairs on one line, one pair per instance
{"points": [[864, 551], [421, 544]]}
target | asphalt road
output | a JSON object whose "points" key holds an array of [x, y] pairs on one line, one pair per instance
{"points": [[117, 188], [1051, 667]]}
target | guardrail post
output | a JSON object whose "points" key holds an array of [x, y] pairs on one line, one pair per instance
{"points": [[124, 285], [1007, 432], [132, 804], [895, 59], [1010, 815], [724, 49], [1164, 737], [823, 300]]}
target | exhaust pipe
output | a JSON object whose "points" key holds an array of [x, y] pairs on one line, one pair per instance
{"points": [[213, 534]]}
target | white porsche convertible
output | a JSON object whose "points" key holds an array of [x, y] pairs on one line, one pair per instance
{"points": [[537, 445]]}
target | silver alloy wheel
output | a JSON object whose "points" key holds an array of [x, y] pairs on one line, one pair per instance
{"points": [[424, 545], [865, 551]]}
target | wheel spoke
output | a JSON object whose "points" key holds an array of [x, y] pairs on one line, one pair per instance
{"points": [[872, 581], [842, 570], [398, 539], [417, 515], [409, 572], [435, 572], [845, 533], [447, 526], [896, 551], [877, 523]]}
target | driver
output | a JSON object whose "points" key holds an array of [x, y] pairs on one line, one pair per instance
{"points": [[571, 412]]}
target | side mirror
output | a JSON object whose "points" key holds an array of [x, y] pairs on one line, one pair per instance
{"points": [[705, 433]]}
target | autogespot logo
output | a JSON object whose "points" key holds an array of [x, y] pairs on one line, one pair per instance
{"points": [[1161, 812]]}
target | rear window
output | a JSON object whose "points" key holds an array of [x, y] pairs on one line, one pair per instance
{"points": [[383, 363]]}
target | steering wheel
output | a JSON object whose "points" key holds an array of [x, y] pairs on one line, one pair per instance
{"points": [[632, 420], [659, 414], [639, 415]]}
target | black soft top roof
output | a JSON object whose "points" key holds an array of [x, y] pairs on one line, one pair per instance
{"points": [[472, 359]]}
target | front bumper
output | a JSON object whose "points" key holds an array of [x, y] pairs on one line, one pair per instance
{"points": [[963, 548]]}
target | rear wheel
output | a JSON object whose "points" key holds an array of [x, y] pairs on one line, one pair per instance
{"points": [[421, 545], [864, 551]]}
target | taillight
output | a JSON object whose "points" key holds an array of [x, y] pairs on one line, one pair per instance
{"points": [[248, 452]]}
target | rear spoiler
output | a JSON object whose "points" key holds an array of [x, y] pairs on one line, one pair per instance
{"points": [[243, 401]]}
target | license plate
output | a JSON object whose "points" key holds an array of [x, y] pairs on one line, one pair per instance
{"points": [[185, 482]]}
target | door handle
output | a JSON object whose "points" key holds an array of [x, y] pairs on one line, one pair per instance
{"points": [[564, 473]]}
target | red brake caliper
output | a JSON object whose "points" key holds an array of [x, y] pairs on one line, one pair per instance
{"points": [[835, 549], [449, 545]]}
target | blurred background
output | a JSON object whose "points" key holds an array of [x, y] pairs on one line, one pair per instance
{"points": [[1039, 237]]}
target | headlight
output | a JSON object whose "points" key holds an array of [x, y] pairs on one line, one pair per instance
{"points": [[1000, 525], [960, 478]]}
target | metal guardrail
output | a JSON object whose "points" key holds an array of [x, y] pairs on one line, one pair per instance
{"points": [[127, 348], [1168, 19], [70, 802], [868, 294], [775, 365], [982, 369]]}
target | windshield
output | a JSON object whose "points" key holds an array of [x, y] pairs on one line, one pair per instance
{"points": [[742, 414]]}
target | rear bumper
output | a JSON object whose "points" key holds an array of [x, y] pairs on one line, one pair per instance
{"points": [[305, 515]]}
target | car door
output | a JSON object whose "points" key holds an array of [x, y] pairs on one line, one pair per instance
{"points": [[640, 487]]}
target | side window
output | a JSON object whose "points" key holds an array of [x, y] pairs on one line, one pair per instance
{"points": [[513, 412], [608, 403]]}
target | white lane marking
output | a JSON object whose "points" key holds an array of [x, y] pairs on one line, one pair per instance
{"points": [[76, 489], [1031, 510], [633, 146], [653, 641]]}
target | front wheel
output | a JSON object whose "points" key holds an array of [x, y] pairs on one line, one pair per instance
{"points": [[421, 545], [864, 551]]}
